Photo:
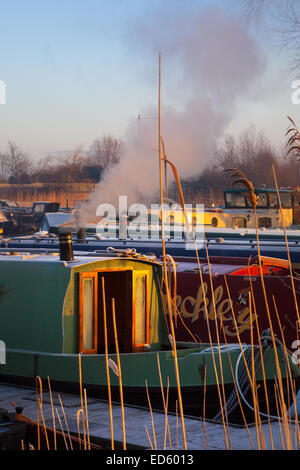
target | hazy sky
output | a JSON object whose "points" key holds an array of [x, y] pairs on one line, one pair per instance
{"points": [[76, 69]]}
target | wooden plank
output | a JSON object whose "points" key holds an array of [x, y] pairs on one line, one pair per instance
{"points": [[137, 420]]}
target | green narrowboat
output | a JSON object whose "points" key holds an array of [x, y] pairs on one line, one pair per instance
{"points": [[53, 317]]}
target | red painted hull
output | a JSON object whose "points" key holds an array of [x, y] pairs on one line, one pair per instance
{"points": [[229, 317]]}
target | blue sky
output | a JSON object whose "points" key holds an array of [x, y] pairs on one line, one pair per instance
{"points": [[73, 73]]}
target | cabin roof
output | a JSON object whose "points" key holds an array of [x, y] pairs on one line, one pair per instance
{"points": [[260, 190], [49, 258], [214, 268], [55, 258]]}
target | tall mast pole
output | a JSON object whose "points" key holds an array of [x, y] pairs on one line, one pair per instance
{"points": [[165, 261]]}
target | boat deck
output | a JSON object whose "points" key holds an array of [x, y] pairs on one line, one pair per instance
{"points": [[138, 422]]}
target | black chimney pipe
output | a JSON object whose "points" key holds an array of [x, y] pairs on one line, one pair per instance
{"points": [[81, 235], [80, 226], [65, 247]]}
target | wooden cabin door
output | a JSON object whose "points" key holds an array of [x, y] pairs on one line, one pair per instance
{"points": [[118, 286]]}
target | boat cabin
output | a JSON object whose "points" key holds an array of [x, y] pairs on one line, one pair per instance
{"points": [[57, 306], [238, 199]]}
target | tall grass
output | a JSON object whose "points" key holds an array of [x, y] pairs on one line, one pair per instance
{"points": [[281, 383]]}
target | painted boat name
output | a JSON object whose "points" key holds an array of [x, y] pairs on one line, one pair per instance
{"points": [[191, 307]]}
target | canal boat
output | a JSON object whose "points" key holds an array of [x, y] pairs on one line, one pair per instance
{"points": [[237, 211], [52, 317], [220, 244], [237, 299]]}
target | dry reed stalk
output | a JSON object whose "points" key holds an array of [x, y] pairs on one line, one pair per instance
{"points": [[177, 425], [260, 439], [203, 407], [177, 179], [87, 420], [120, 373], [81, 400], [107, 366], [174, 307], [226, 423], [234, 381], [237, 331], [279, 420], [166, 172], [66, 422], [288, 369], [271, 326], [164, 259], [44, 424], [151, 414], [256, 319], [287, 244], [243, 180], [38, 380], [212, 349], [287, 435], [150, 442], [278, 369], [290, 380], [177, 376], [261, 359], [184, 325], [62, 429], [79, 412], [172, 269], [255, 404], [53, 416], [177, 314], [165, 404]]}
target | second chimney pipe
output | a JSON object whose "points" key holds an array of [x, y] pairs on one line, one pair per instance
{"points": [[65, 247]]}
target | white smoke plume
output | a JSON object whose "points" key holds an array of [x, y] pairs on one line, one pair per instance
{"points": [[213, 62]]}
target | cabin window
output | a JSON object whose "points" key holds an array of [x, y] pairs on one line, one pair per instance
{"points": [[214, 222], [262, 200], [141, 320], [273, 201], [171, 219], [265, 222], [39, 207], [239, 222], [88, 313], [194, 221], [286, 200], [235, 199], [296, 199]]}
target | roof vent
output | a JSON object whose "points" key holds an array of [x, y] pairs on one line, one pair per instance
{"points": [[65, 247]]}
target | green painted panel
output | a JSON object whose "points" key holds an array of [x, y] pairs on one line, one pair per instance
{"points": [[32, 303]]}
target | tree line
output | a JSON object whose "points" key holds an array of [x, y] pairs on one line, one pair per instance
{"points": [[251, 152], [71, 167]]}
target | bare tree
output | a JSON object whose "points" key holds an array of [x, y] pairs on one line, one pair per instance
{"points": [[42, 168], [283, 18], [252, 153], [105, 152], [18, 165], [73, 163]]}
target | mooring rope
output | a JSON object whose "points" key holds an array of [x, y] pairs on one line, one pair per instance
{"points": [[242, 381]]}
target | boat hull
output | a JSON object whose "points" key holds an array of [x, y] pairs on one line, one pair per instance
{"points": [[202, 379]]}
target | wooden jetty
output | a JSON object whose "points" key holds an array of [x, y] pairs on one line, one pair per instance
{"points": [[141, 426]]}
